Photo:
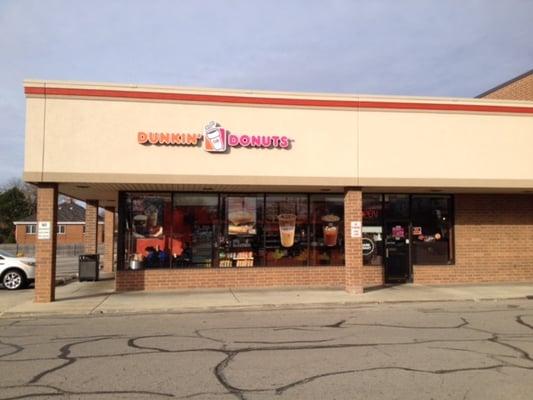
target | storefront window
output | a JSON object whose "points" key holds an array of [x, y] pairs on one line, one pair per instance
{"points": [[178, 230], [241, 242], [148, 226], [194, 230], [372, 241], [327, 230], [431, 229]]}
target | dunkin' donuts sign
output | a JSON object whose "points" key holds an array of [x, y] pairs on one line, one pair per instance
{"points": [[215, 139]]}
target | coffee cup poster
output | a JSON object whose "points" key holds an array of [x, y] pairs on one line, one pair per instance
{"points": [[147, 217]]}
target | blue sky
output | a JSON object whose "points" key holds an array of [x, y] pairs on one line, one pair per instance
{"points": [[454, 48]]}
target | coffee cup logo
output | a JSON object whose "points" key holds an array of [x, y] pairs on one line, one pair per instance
{"points": [[214, 138]]}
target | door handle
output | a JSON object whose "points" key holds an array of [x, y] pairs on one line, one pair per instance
{"points": [[387, 253]]}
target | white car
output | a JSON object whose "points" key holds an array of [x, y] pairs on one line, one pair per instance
{"points": [[16, 272]]}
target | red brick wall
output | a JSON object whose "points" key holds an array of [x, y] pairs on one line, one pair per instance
{"points": [[90, 239], [493, 242], [353, 211], [373, 276], [332, 277], [109, 256], [45, 249]]}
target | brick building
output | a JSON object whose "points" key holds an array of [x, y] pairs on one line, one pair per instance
{"points": [[218, 188], [70, 226], [519, 88]]}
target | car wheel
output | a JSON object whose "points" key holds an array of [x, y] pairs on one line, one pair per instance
{"points": [[13, 279]]}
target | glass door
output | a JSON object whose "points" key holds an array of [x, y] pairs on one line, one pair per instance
{"points": [[397, 260]]}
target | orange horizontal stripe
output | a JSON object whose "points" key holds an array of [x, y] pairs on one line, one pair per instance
{"points": [[209, 98]]}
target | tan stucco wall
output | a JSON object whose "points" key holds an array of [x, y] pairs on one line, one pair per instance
{"points": [[100, 137], [95, 140], [445, 149]]}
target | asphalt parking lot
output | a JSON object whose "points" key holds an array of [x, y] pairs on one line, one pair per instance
{"points": [[450, 350]]}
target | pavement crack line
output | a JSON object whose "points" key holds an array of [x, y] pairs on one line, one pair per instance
{"points": [[336, 325], [234, 295], [16, 348], [99, 304], [221, 377], [522, 322], [280, 390], [64, 354], [193, 395], [63, 392]]}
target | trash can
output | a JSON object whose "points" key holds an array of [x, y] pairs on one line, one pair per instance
{"points": [[89, 267]]}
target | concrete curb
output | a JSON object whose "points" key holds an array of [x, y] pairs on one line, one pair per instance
{"points": [[244, 308]]}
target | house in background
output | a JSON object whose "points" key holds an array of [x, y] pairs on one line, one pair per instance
{"points": [[70, 226]]}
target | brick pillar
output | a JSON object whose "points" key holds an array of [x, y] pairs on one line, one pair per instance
{"points": [[45, 249], [353, 212], [90, 239], [109, 240]]}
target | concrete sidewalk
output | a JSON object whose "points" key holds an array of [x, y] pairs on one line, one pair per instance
{"points": [[100, 298]]}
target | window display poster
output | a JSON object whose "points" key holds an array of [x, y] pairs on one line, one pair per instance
{"points": [[147, 216], [241, 215], [398, 232]]}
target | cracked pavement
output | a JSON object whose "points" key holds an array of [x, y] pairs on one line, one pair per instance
{"points": [[465, 350]]}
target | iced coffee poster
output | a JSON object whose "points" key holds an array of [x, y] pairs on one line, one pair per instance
{"points": [[148, 216], [241, 215]]}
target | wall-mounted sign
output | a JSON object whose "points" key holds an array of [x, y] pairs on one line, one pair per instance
{"points": [[216, 139], [43, 230], [355, 229]]}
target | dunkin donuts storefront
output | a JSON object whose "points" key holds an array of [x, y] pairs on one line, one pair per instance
{"points": [[217, 188]]}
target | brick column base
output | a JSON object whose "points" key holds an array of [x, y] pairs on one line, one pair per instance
{"points": [[45, 249], [109, 240], [353, 212], [90, 239]]}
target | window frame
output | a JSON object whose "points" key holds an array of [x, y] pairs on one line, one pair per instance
{"points": [[123, 210]]}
